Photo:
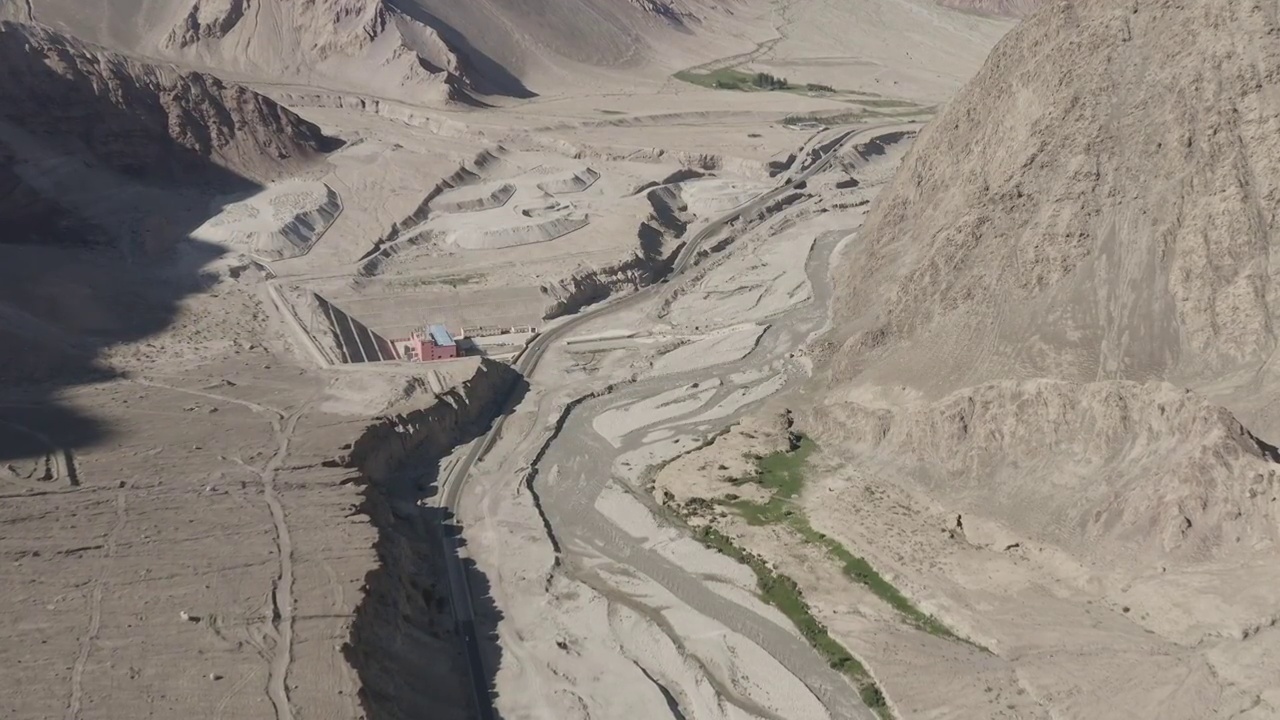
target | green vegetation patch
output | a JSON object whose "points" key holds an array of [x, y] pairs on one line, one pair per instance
{"points": [[783, 474], [783, 593], [733, 79], [888, 103], [848, 118], [450, 280]]}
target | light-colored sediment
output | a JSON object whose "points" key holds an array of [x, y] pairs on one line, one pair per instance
{"points": [[281, 222]]}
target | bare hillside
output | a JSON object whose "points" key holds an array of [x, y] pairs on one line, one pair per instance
{"points": [[1098, 203], [352, 40], [143, 119], [417, 50], [1051, 333]]}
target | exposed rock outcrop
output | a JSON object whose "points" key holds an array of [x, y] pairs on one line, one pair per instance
{"points": [[1113, 471], [659, 237], [146, 120], [403, 644]]}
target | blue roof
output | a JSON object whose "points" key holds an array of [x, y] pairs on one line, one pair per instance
{"points": [[440, 336]]}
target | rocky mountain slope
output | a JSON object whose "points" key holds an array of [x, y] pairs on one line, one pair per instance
{"points": [[28, 215], [146, 120], [1054, 342], [349, 40], [1098, 203], [422, 51], [1107, 470]]}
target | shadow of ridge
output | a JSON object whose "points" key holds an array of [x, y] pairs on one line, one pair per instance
{"points": [[356, 342], [412, 659], [487, 75], [71, 289]]}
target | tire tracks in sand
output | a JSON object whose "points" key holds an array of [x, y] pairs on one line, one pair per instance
{"points": [[95, 611], [282, 590], [283, 427]]}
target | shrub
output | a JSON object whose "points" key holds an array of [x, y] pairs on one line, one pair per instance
{"points": [[872, 697], [769, 82]]}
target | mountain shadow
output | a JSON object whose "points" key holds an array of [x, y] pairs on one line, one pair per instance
{"points": [[106, 167]]}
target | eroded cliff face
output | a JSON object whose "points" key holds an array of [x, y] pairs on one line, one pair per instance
{"points": [[403, 643], [660, 240], [146, 120]]}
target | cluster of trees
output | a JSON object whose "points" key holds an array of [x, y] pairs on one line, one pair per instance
{"points": [[815, 87], [766, 81]]}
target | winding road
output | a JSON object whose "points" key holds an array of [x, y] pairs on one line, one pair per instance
{"points": [[455, 482]]}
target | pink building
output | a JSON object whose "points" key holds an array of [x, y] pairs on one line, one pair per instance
{"points": [[433, 343]]}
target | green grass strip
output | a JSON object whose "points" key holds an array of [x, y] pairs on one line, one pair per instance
{"points": [[783, 593], [782, 473]]}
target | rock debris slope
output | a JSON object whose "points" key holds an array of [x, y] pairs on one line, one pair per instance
{"points": [[143, 119], [1107, 470], [1098, 203]]}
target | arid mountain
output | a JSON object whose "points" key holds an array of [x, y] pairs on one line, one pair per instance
{"points": [[343, 39], [1054, 334], [1004, 8], [149, 121], [1099, 202], [429, 51]]}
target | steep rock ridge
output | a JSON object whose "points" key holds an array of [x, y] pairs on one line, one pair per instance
{"points": [[211, 20], [1092, 217], [1100, 201], [146, 120], [366, 40], [1112, 471]]}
